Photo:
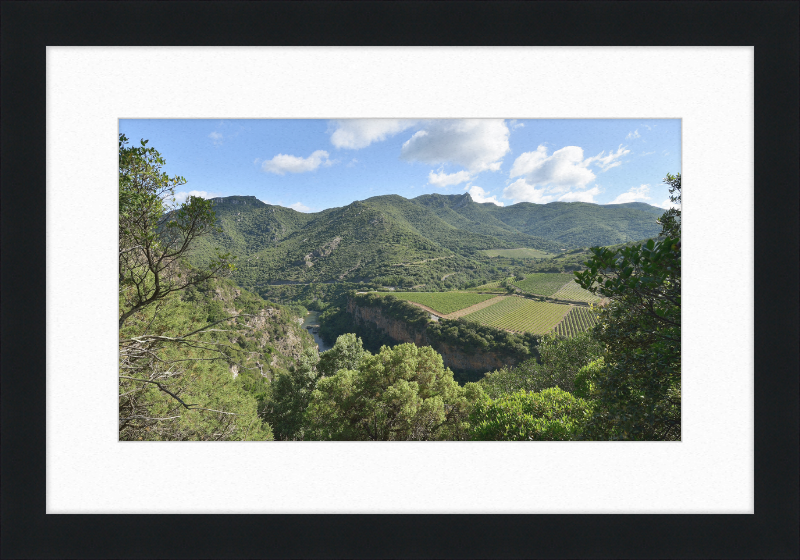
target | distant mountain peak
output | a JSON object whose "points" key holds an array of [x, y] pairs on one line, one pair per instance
{"points": [[248, 200], [463, 200]]}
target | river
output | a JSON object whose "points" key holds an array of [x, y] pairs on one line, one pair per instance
{"points": [[312, 320]]}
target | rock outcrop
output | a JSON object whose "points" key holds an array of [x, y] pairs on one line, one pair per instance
{"points": [[401, 332]]}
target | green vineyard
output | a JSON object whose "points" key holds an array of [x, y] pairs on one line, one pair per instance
{"points": [[544, 283], [520, 315], [443, 302], [573, 292], [490, 287], [578, 320]]}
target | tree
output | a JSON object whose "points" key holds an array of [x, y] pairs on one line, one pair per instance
{"points": [[550, 415], [345, 354], [401, 393], [155, 235], [174, 381], [172, 384], [636, 390], [559, 361], [291, 393]]}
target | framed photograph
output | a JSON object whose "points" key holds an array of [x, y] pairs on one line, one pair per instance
{"points": [[733, 472]]}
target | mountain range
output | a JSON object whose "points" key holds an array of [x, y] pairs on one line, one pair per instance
{"points": [[389, 236]]}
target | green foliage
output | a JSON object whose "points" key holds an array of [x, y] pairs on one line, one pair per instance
{"points": [[580, 224], [551, 415], [345, 354], [558, 364], [401, 393], [195, 354], [154, 236], [290, 395], [520, 253], [636, 392], [395, 308], [586, 380], [470, 337], [165, 347]]}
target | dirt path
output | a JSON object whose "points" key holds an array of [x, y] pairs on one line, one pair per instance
{"points": [[426, 308], [474, 308], [460, 312]]}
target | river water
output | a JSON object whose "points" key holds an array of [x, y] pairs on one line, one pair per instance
{"points": [[312, 320]]}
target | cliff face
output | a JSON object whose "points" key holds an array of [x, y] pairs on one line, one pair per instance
{"points": [[455, 358], [400, 332]]}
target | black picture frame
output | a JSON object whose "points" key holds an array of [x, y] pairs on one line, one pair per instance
{"points": [[771, 532]]}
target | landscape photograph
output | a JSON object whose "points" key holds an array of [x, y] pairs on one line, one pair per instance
{"points": [[399, 279]]}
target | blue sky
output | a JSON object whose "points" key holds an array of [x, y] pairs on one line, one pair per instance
{"points": [[310, 165]]}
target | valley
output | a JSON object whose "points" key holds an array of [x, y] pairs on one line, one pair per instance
{"points": [[508, 269]]}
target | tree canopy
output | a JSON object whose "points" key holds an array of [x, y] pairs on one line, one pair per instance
{"points": [[155, 235], [401, 393], [636, 390]]}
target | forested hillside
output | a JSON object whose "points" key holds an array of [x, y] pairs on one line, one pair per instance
{"points": [[390, 240]]}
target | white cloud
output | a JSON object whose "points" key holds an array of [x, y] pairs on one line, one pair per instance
{"points": [[181, 197], [354, 134], [581, 196], [515, 125], [667, 204], [352, 163], [216, 137], [647, 154], [475, 144], [565, 169], [562, 171], [443, 179], [521, 191], [282, 163], [634, 134], [480, 195], [300, 207], [607, 162], [634, 194]]}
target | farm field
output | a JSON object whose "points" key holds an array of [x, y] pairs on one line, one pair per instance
{"points": [[444, 302], [544, 283], [521, 253], [572, 291], [521, 315], [490, 287], [578, 320]]}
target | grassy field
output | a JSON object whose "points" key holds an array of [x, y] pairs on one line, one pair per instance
{"points": [[573, 292], [544, 283], [522, 253], [443, 302], [490, 287], [579, 319], [521, 315]]}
